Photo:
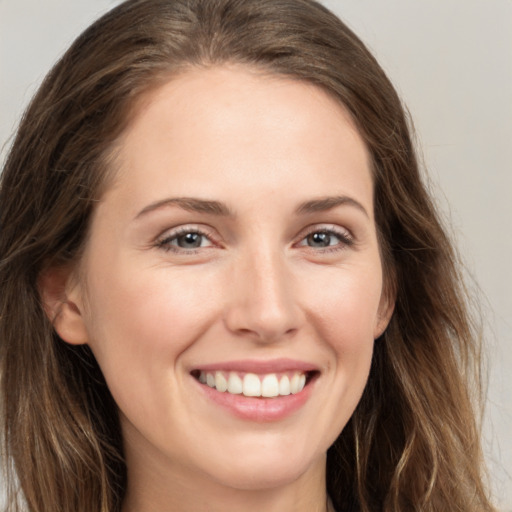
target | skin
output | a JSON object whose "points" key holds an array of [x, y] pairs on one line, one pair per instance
{"points": [[257, 288]]}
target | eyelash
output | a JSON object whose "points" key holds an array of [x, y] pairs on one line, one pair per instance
{"points": [[344, 236]]}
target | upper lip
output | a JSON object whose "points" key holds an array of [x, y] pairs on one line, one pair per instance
{"points": [[259, 366]]}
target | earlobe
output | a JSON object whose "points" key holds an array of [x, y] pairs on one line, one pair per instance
{"points": [[62, 304], [386, 308]]}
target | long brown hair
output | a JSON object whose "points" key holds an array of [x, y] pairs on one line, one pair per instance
{"points": [[413, 441]]}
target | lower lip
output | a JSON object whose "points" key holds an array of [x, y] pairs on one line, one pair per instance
{"points": [[258, 409]]}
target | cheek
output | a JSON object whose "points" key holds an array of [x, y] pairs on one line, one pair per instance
{"points": [[345, 311], [150, 306], [141, 322], [345, 304]]}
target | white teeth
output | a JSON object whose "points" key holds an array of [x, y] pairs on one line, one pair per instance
{"points": [[252, 385], [284, 386], [295, 384], [235, 385], [220, 382], [268, 386]]}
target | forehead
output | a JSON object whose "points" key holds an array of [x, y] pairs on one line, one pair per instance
{"points": [[230, 123]]}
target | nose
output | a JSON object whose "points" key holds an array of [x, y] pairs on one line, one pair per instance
{"points": [[262, 304]]}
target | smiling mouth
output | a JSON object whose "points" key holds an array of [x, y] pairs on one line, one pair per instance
{"points": [[269, 385]]}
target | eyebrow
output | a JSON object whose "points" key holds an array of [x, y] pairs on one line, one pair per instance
{"points": [[191, 204], [211, 207], [327, 203]]}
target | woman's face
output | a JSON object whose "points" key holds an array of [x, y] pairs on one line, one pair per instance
{"points": [[237, 246]]}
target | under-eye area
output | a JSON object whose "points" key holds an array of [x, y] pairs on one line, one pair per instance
{"points": [[268, 385]]}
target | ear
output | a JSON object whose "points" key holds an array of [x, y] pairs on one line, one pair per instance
{"points": [[60, 294], [385, 312]]}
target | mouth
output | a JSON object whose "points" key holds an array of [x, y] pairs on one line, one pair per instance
{"points": [[255, 385], [255, 390]]}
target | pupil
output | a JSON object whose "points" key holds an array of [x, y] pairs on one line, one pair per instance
{"points": [[190, 240], [319, 239]]}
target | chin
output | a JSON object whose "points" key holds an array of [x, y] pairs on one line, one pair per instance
{"points": [[266, 468]]}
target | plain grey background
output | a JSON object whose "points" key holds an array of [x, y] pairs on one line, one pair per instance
{"points": [[451, 61]]}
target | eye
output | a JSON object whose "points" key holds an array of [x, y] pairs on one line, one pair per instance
{"points": [[190, 240], [331, 239], [321, 239], [184, 240]]}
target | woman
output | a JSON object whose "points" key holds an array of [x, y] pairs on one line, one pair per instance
{"points": [[224, 285]]}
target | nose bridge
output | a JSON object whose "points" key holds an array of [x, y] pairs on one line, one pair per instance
{"points": [[263, 302]]}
